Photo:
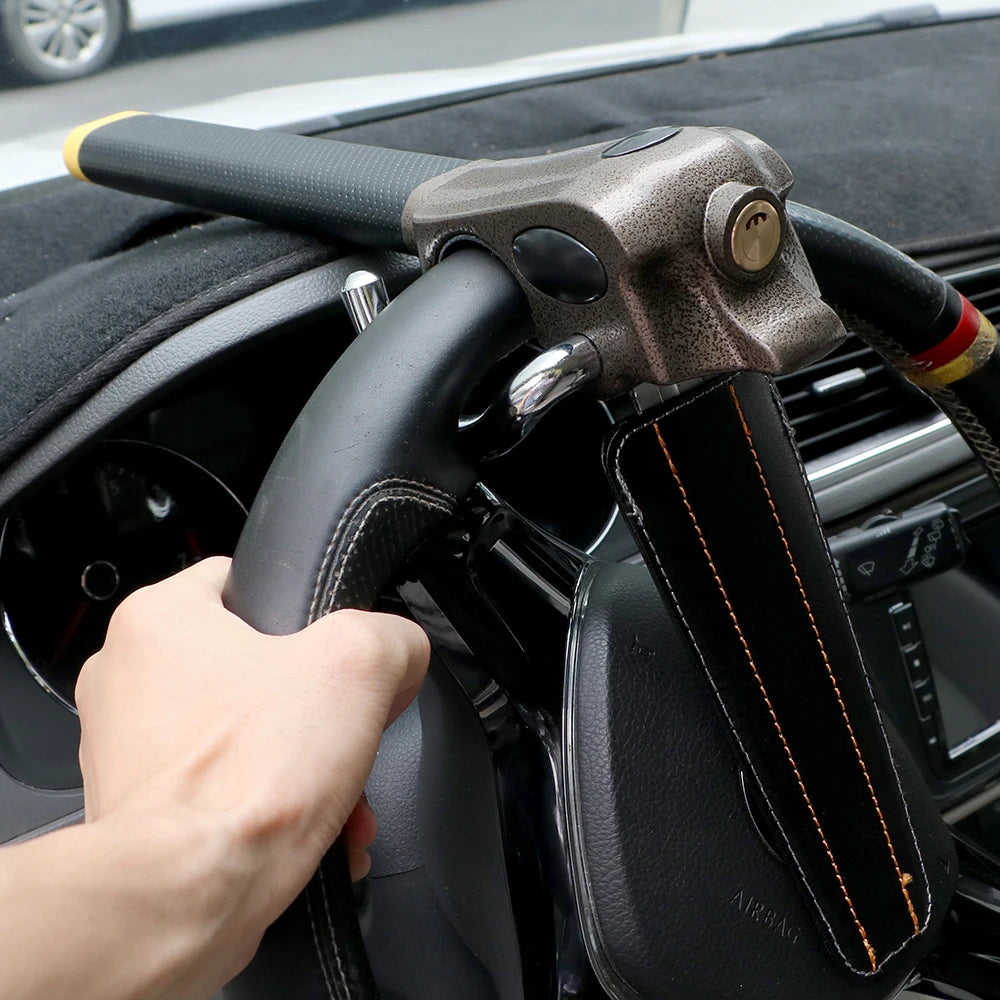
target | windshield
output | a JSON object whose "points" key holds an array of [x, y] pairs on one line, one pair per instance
{"points": [[69, 61]]}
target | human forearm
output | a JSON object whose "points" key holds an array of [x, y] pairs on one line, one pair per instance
{"points": [[164, 905]]}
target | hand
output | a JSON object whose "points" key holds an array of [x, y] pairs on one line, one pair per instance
{"points": [[261, 744]]}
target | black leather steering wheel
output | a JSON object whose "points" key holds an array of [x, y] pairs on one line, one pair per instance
{"points": [[371, 467]]}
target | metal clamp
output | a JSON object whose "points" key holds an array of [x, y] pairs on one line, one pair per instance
{"points": [[532, 392]]}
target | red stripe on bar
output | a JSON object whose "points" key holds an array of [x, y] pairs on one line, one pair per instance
{"points": [[956, 343]]}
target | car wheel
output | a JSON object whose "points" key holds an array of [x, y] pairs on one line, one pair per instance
{"points": [[44, 41]]}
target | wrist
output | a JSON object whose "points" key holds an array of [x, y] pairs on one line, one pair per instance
{"points": [[153, 905], [193, 885]]}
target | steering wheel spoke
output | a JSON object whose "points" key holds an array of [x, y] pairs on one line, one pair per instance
{"points": [[508, 585], [507, 633]]}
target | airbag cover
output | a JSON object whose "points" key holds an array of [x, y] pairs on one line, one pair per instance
{"points": [[680, 893]]}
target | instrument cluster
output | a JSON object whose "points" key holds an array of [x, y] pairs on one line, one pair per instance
{"points": [[129, 515]]}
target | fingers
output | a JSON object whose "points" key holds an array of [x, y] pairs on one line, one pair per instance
{"points": [[363, 666], [200, 582], [359, 834], [396, 647], [404, 641], [361, 827], [401, 702], [359, 862]]}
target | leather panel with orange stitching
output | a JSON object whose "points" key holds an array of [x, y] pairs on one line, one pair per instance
{"points": [[730, 533]]}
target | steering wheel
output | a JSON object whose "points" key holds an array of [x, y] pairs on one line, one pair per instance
{"points": [[375, 467]]}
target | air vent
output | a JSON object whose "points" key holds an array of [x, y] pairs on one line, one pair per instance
{"points": [[982, 286], [852, 394]]}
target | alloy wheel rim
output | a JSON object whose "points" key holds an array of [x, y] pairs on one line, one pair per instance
{"points": [[65, 33]]}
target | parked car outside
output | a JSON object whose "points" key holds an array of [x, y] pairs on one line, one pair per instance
{"points": [[44, 41]]}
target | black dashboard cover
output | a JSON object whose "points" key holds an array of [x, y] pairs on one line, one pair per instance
{"points": [[864, 868], [889, 130]]}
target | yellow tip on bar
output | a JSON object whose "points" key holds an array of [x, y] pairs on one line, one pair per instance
{"points": [[71, 147], [971, 360]]}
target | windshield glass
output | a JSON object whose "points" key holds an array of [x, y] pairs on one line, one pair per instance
{"points": [[69, 61]]}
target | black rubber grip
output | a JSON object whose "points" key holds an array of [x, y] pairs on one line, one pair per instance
{"points": [[358, 193], [857, 271], [337, 189]]}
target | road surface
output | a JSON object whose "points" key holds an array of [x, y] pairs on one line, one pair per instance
{"points": [[199, 63]]}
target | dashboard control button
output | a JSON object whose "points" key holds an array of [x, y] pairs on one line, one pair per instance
{"points": [[932, 734], [926, 699], [559, 265], [99, 580], [904, 621], [640, 140], [917, 665], [895, 553]]}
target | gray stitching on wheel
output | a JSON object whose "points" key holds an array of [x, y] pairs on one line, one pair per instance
{"points": [[345, 995], [348, 512], [345, 517], [316, 944], [398, 496], [328, 554]]}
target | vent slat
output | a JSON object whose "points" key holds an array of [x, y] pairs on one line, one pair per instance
{"points": [[851, 354], [883, 401], [850, 403], [823, 424], [840, 437]]}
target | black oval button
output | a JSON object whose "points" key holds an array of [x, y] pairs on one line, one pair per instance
{"points": [[558, 265], [640, 140]]}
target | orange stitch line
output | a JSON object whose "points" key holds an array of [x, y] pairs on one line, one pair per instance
{"points": [[767, 699], [826, 661]]}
